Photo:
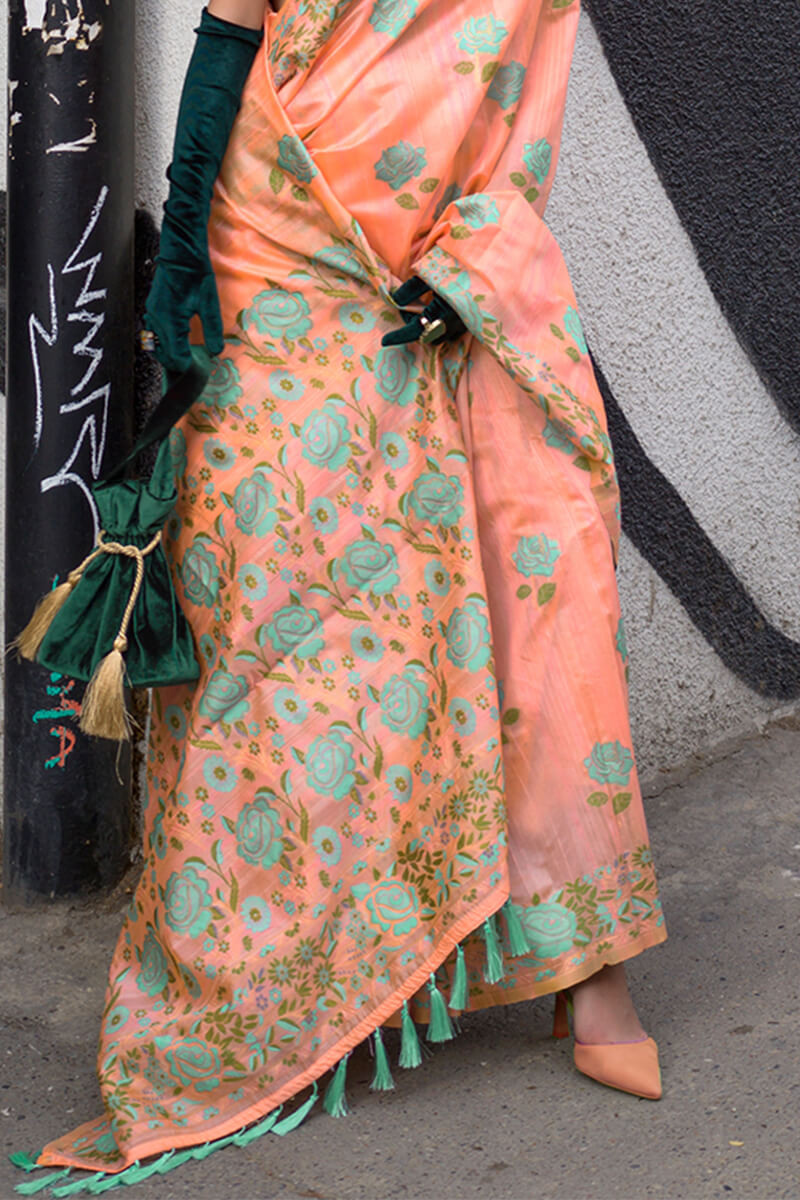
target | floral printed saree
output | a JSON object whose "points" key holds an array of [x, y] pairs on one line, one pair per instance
{"points": [[404, 785]]}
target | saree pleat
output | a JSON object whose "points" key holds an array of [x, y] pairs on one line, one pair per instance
{"points": [[398, 565]]}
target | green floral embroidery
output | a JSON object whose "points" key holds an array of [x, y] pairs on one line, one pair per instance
{"points": [[400, 163], [259, 834], [610, 762]]}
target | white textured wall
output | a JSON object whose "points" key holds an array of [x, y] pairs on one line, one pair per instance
{"points": [[687, 388]]}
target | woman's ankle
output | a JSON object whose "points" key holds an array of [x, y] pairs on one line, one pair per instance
{"points": [[603, 1009]]}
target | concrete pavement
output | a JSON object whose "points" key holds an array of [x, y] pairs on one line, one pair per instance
{"points": [[500, 1113]]}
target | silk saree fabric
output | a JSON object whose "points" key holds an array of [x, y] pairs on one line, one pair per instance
{"points": [[398, 565]]}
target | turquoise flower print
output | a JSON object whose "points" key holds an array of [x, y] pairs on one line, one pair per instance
{"points": [[394, 450], [175, 720], [549, 928], [462, 715], [200, 573], [401, 783], [285, 386], [438, 498], [355, 318], [294, 158], [478, 211], [327, 844], [224, 384], [609, 762], [468, 638], [459, 297], [330, 765], [259, 835], [295, 630], [437, 578], [506, 87], [369, 567], [400, 163], [194, 1063], [225, 697], [177, 452], [290, 706], [482, 35], [392, 16], [392, 906], [574, 327], [187, 902], [538, 157], [158, 839], [366, 644], [404, 703], [559, 435], [536, 555], [396, 374], [256, 914], [342, 259], [218, 455], [622, 640], [116, 1018], [326, 436], [253, 504], [208, 650], [219, 774], [252, 581], [278, 313], [324, 515], [152, 977]]}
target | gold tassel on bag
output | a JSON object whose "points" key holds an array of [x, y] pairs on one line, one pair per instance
{"points": [[28, 642]]}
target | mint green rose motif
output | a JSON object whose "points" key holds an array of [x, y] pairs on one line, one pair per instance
{"points": [[278, 313], [369, 566], [538, 158], [343, 260], [224, 384], [152, 977], [574, 327], [188, 902], [536, 555], [259, 835], [622, 640], [326, 437], [200, 573], [330, 765], [478, 211], [559, 435], [550, 928], [194, 1064], [438, 498], [506, 87], [482, 35], [609, 762], [393, 906], [396, 372], [404, 703], [253, 503], [225, 697], [295, 630], [400, 163], [459, 296], [294, 158], [392, 16], [468, 638]]}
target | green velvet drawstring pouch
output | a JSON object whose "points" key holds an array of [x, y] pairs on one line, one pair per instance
{"points": [[116, 620]]}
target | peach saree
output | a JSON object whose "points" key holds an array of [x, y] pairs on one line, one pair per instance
{"points": [[404, 783]]}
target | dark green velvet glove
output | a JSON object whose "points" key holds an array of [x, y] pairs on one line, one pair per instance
{"points": [[435, 324], [184, 282]]}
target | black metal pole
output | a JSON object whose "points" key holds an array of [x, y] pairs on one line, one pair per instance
{"points": [[67, 803]]}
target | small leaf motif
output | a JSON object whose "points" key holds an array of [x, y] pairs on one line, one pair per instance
{"points": [[524, 591], [620, 802], [459, 232], [464, 68], [406, 200], [489, 71], [545, 593], [429, 185], [597, 799], [276, 179]]}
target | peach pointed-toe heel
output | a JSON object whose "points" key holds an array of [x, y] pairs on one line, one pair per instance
{"points": [[628, 1066]]}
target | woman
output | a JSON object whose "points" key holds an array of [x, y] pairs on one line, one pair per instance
{"points": [[404, 783]]}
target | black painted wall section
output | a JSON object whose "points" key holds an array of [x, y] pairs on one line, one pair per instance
{"points": [[713, 91]]}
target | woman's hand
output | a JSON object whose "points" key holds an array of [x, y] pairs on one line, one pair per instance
{"points": [[249, 13]]}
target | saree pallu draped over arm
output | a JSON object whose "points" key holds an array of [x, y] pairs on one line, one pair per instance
{"points": [[404, 782]]}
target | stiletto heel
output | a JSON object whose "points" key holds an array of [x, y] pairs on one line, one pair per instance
{"points": [[627, 1066]]}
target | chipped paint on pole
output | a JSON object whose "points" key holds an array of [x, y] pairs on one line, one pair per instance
{"points": [[70, 404]]}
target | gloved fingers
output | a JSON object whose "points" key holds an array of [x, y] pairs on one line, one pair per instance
{"points": [[410, 332], [410, 292], [211, 316]]}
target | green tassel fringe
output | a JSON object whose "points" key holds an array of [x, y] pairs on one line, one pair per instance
{"points": [[517, 941], [493, 970], [38, 1185], [382, 1079], [458, 992], [298, 1116], [71, 1189], [335, 1101], [441, 1027], [410, 1049], [25, 1162]]}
